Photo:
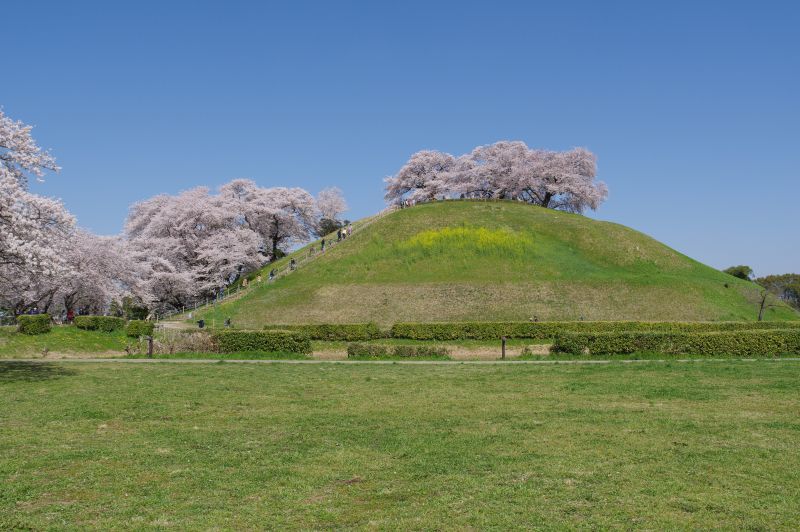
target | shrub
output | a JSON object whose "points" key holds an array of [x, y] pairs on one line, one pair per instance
{"points": [[358, 349], [550, 329], [270, 341], [99, 323], [137, 328], [419, 351], [344, 332], [734, 343], [367, 350], [35, 324], [172, 341]]}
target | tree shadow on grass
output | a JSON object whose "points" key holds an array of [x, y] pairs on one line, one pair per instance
{"points": [[32, 371]]}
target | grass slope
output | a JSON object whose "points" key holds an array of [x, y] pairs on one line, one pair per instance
{"points": [[225, 447], [492, 261]]}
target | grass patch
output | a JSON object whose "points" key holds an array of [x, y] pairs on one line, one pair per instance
{"points": [[61, 339], [654, 446]]}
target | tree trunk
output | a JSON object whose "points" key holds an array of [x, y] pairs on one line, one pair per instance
{"points": [[547, 198], [761, 307]]}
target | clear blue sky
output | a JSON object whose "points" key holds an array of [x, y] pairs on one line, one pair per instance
{"points": [[692, 108]]}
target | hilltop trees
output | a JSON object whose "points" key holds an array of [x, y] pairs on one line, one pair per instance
{"points": [[503, 170], [425, 176]]}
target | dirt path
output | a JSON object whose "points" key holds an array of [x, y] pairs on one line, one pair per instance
{"points": [[382, 362]]}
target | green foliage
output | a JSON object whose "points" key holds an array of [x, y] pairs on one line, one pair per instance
{"points": [[753, 343], [336, 332], [549, 329], [137, 328], [741, 271], [357, 349], [786, 287], [99, 323], [35, 324], [232, 341]]}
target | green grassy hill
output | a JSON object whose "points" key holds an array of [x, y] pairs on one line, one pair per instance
{"points": [[495, 261]]}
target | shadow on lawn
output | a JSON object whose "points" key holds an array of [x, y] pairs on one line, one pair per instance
{"points": [[32, 372]]}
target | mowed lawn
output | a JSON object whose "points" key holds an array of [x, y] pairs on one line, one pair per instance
{"points": [[644, 445]]}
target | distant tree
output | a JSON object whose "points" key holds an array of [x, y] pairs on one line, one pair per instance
{"points": [[331, 203], [741, 271], [785, 287]]}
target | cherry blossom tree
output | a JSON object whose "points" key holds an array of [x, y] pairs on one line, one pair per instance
{"points": [[20, 156], [34, 231], [424, 177], [504, 170], [98, 272], [331, 203], [282, 216]]}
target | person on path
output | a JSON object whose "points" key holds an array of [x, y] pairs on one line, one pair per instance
{"points": [[258, 279], [322, 248], [244, 283], [292, 264], [339, 235]]}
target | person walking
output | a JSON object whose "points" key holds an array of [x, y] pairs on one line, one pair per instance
{"points": [[322, 245]]}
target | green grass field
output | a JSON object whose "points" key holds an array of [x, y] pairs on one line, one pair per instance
{"points": [[66, 340], [495, 261], [710, 444]]}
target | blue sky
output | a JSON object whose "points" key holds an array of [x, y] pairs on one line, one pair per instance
{"points": [[693, 108]]}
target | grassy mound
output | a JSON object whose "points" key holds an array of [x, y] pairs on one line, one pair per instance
{"points": [[493, 261]]}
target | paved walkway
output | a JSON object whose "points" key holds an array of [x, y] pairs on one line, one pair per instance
{"points": [[406, 362]]}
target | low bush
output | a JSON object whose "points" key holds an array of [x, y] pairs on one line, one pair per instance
{"points": [[733, 343], [344, 332], [419, 351], [35, 324], [99, 323], [284, 341], [171, 341], [137, 328], [550, 329], [358, 349]]}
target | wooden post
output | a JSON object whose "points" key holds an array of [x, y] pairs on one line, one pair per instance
{"points": [[149, 347], [503, 343]]}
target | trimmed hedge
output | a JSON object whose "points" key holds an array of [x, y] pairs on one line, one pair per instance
{"points": [[344, 332], [34, 324], [550, 329], [358, 349], [137, 328], [734, 343], [268, 341], [99, 323]]}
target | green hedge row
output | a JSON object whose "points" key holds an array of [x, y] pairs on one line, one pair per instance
{"points": [[137, 328], [34, 324], [99, 323], [358, 349], [733, 343], [265, 341], [344, 332], [550, 329]]}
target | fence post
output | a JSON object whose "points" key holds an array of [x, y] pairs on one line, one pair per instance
{"points": [[503, 343], [149, 347]]}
